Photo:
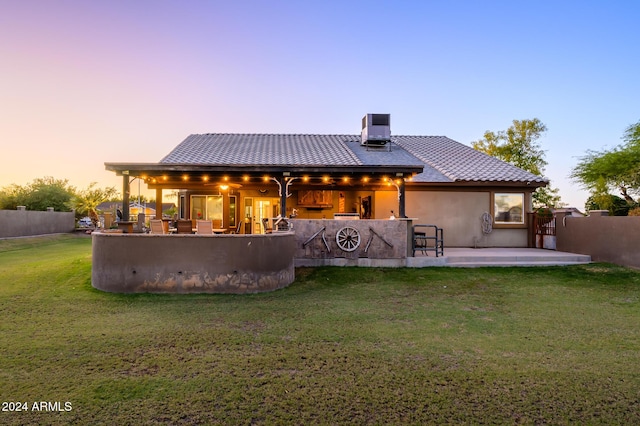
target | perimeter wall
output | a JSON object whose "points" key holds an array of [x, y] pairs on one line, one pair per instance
{"points": [[614, 239], [22, 223]]}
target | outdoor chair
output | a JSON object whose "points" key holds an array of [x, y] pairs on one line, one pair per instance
{"points": [[184, 226], [238, 228], [266, 226], [204, 227], [156, 226], [428, 238]]}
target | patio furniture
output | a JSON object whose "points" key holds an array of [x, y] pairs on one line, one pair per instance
{"points": [[217, 226], [204, 227], [238, 228], [184, 226], [156, 227], [266, 226], [428, 238]]}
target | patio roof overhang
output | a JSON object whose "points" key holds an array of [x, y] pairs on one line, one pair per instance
{"points": [[172, 176]]}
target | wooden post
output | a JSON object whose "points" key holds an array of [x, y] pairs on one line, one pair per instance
{"points": [[401, 197], [283, 196], [158, 203], [125, 196]]}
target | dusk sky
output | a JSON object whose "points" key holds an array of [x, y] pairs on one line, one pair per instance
{"points": [[88, 82]]}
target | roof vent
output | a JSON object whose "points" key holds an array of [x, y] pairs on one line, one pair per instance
{"points": [[376, 130]]}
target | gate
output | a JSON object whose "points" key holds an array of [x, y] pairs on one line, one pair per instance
{"points": [[544, 229]]}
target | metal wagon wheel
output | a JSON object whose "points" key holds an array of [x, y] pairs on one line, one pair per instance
{"points": [[348, 238]]}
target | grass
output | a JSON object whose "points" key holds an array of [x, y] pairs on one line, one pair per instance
{"points": [[551, 345]]}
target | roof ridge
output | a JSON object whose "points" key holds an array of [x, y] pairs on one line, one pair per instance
{"points": [[274, 134]]}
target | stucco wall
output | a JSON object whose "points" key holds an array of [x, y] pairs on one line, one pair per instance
{"points": [[21, 223], [460, 215], [378, 239], [612, 239], [185, 263]]}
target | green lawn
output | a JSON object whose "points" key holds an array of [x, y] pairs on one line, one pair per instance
{"points": [[341, 345]]}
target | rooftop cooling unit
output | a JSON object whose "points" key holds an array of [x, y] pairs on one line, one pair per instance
{"points": [[376, 130]]}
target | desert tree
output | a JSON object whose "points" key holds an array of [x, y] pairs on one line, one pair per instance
{"points": [[519, 146]]}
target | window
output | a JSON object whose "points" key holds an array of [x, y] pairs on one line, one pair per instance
{"points": [[508, 209], [207, 207], [232, 211]]}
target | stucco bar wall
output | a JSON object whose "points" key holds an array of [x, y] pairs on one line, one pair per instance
{"points": [[238, 264], [385, 240]]}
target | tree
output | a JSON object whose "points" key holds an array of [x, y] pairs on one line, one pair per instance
{"points": [[38, 195], [518, 146], [86, 201], [618, 168]]}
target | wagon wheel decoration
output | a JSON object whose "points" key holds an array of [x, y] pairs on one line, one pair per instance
{"points": [[348, 238]]}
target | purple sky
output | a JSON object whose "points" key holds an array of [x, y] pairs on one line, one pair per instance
{"points": [[84, 82]]}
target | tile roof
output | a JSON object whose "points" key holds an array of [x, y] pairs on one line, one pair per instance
{"points": [[444, 159], [459, 162], [263, 149]]}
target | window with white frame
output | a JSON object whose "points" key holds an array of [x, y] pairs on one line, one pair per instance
{"points": [[508, 208]]}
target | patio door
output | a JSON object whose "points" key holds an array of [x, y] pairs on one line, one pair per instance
{"points": [[264, 208]]}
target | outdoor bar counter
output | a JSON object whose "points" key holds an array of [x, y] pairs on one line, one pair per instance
{"points": [[243, 263], [348, 242]]}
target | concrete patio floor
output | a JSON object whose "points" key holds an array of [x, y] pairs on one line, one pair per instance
{"points": [[470, 258], [461, 258]]}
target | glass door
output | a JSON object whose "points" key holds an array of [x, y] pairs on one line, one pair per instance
{"points": [[263, 215], [265, 208], [248, 215]]}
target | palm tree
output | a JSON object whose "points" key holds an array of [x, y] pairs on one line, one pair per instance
{"points": [[86, 201]]}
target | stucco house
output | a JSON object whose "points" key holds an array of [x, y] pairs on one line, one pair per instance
{"points": [[244, 180]]}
